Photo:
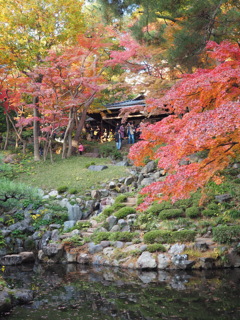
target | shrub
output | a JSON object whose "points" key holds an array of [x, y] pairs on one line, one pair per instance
{"points": [[123, 212], [90, 164], [100, 236], [209, 213], [73, 191], [83, 225], [156, 247], [226, 234], [122, 236], [192, 212], [108, 151], [117, 206], [234, 213], [160, 236], [165, 236], [170, 213], [183, 236], [62, 189], [156, 208], [108, 211], [120, 198]]}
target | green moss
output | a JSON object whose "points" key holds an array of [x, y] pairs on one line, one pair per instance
{"points": [[170, 213], [123, 212], [156, 247]]}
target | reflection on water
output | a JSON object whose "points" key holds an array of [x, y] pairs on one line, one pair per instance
{"points": [[80, 293]]}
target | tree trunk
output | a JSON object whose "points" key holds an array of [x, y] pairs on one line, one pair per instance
{"points": [[36, 129], [7, 134], [66, 134], [82, 121]]}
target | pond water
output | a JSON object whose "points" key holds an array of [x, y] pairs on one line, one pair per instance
{"points": [[81, 293]]}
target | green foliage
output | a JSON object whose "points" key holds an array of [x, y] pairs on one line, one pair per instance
{"points": [[75, 240], [226, 234], [166, 236], [209, 213], [156, 247], [83, 225], [122, 236], [18, 216], [73, 191], [156, 208], [2, 240], [135, 253], [183, 236], [234, 213], [110, 151], [160, 236], [92, 163], [170, 213], [118, 205], [120, 198], [18, 234], [123, 212], [12, 192], [62, 189], [192, 212], [100, 236], [108, 211]]}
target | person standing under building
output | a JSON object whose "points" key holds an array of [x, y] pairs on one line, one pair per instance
{"points": [[130, 132], [118, 140]]}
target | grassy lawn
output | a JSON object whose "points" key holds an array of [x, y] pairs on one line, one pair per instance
{"points": [[71, 172]]}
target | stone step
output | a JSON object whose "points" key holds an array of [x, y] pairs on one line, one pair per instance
{"points": [[131, 202]]}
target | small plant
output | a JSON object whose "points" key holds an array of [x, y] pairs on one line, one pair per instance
{"points": [[122, 236], [73, 191], [75, 240], [90, 164], [156, 247], [123, 212], [100, 236], [135, 253], [62, 189], [18, 216], [83, 225]]}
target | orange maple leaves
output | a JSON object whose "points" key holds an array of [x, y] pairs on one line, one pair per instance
{"points": [[206, 108]]}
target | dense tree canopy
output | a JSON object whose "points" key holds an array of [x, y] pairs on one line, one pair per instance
{"points": [[182, 27], [206, 117]]}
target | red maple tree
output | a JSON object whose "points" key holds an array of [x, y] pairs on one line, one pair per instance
{"points": [[206, 117]]}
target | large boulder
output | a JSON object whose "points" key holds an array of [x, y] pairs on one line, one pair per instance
{"points": [[146, 261]]}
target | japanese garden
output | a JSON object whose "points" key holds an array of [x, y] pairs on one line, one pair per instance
{"points": [[119, 159]]}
